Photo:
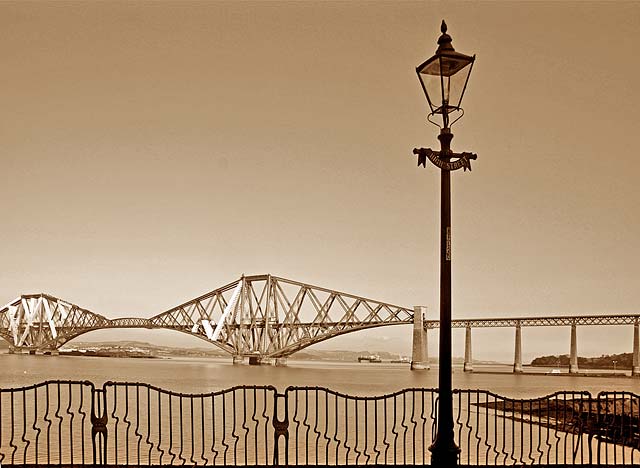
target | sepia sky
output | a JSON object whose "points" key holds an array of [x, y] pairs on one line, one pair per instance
{"points": [[153, 151]]}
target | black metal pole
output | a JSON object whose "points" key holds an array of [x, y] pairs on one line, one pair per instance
{"points": [[444, 451]]}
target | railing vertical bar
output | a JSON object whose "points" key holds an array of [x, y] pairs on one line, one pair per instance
{"points": [[265, 418], [202, 427], [49, 422], [24, 426], [415, 427], [353, 403], [467, 426], [423, 418], [148, 440], [375, 431], [306, 426], [127, 421], [71, 415], [315, 427], [457, 420], [634, 429], [60, 419], [296, 404], [181, 425], [564, 425], [191, 419], [536, 460], [386, 426], [224, 429], [477, 398], [326, 418], [614, 437], [160, 428], [335, 434], [213, 429], [173, 455], [393, 430], [37, 429]]}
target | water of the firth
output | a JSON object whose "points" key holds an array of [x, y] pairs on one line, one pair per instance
{"points": [[200, 375]]}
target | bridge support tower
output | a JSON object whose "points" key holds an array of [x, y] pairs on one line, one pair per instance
{"points": [[280, 362], [517, 359], [635, 370], [238, 359], [573, 356], [420, 353], [468, 360]]}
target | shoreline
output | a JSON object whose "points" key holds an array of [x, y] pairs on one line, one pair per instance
{"points": [[562, 374]]}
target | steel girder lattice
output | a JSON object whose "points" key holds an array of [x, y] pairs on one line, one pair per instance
{"points": [[557, 321], [44, 322], [262, 315], [274, 317]]}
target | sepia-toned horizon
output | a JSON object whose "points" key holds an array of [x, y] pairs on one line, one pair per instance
{"points": [[154, 151]]}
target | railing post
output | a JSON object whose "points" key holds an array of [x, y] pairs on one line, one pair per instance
{"points": [[280, 428], [419, 355], [99, 425], [517, 360], [573, 359], [468, 359]]}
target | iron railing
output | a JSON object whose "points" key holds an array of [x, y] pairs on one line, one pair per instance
{"points": [[121, 423]]}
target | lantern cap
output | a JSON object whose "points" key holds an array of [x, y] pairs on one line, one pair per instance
{"points": [[444, 41]]}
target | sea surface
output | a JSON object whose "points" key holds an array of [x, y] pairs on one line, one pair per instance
{"points": [[203, 375]]}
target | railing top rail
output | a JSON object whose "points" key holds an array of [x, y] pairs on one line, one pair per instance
{"points": [[189, 395], [293, 388], [558, 393], [45, 383]]}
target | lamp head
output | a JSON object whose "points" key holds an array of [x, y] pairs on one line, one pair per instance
{"points": [[444, 78]]}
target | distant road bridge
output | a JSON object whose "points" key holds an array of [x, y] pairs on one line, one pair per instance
{"points": [[265, 317]]}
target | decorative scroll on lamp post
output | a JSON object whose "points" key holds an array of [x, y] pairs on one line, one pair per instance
{"points": [[444, 79]]}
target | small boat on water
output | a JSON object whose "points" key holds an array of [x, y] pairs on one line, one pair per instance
{"points": [[401, 360], [370, 358]]}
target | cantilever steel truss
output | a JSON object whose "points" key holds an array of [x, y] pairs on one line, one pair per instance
{"points": [[256, 315], [274, 317], [263, 315]]}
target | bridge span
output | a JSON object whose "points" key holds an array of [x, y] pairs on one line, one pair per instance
{"points": [[262, 317], [265, 317]]}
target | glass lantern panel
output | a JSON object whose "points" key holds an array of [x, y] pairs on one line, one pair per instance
{"points": [[433, 90], [444, 91], [453, 87]]}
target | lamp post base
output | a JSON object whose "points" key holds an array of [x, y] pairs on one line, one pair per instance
{"points": [[444, 454]]}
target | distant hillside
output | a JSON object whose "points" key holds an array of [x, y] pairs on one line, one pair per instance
{"points": [[623, 361]]}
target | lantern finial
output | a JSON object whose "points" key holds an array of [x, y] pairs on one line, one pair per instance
{"points": [[444, 41]]}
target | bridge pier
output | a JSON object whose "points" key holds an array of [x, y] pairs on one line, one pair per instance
{"points": [[280, 362], [237, 359], [517, 359], [419, 354], [635, 370], [573, 357], [468, 365]]}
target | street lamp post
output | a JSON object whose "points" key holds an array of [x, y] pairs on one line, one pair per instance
{"points": [[444, 79]]}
